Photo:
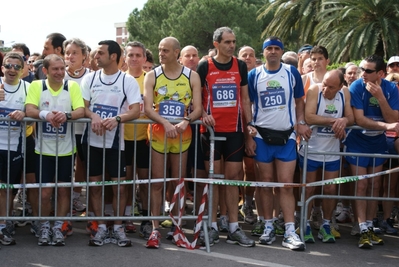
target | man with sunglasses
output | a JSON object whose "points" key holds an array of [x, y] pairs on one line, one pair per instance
{"points": [[393, 65], [12, 99], [375, 106]]}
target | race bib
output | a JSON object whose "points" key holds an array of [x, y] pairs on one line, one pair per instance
{"points": [[50, 132], [272, 98], [4, 112], [325, 131], [224, 95], [105, 111], [170, 109]]}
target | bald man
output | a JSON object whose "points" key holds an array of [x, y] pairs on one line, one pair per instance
{"points": [[189, 57], [171, 88], [327, 104], [247, 54]]}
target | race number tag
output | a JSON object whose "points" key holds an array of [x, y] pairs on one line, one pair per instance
{"points": [[105, 111], [171, 110], [4, 112], [50, 132], [224, 95], [325, 131], [272, 98]]}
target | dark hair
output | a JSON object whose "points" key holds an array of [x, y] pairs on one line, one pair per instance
{"points": [[14, 55], [379, 62], [136, 44], [217, 35], [148, 55], [57, 39], [318, 49], [36, 54], [49, 58], [343, 71], [113, 48], [23, 47]]}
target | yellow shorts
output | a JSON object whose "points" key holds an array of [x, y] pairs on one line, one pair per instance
{"points": [[172, 145]]}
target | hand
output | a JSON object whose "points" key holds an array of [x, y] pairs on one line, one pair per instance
{"points": [[208, 120], [96, 125], [375, 90], [393, 127], [109, 123], [250, 147], [59, 117], [304, 131], [170, 130], [252, 130], [17, 115], [181, 126], [339, 128]]}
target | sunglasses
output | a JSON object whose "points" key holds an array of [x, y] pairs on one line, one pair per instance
{"points": [[9, 66], [396, 64], [30, 62], [368, 71]]}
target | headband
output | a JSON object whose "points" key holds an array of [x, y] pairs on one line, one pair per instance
{"points": [[272, 42]]}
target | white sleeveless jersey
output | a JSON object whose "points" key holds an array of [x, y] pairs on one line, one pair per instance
{"points": [[108, 100], [322, 138], [47, 141], [15, 96], [77, 126], [275, 102]]}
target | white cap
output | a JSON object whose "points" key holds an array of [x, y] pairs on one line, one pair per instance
{"points": [[393, 59]]}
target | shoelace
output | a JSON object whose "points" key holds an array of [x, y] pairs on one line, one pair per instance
{"points": [[57, 233]]}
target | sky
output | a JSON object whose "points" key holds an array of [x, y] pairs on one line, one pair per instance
{"points": [[89, 20]]}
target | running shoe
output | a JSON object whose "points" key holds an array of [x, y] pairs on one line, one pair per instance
{"points": [[201, 239], [279, 228], [293, 242], [374, 239], [102, 237], [387, 227], [58, 237], [119, 238], [78, 205], [308, 235], [223, 224], [145, 229], [130, 227], [167, 223], [154, 240], [259, 227], [169, 235], [91, 228], [10, 227], [335, 233], [248, 214], [364, 241], [268, 237], [5, 238], [239, 237], [35, 228], [66, 228], [45, 236], [344, 216], [334, 223], [325, 234], [355, 229]]}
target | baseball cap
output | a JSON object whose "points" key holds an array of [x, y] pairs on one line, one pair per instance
{"points": [[393, 59], [305, 48]]}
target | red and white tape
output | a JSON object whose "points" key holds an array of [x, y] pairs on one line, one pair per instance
{"points": [[179, 236]]}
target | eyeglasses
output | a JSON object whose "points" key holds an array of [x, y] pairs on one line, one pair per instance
{"points": [[9, 66], [395, 64], [368, 71], [30, 62]]}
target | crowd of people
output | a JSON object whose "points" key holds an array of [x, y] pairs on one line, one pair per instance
{"points": [[262, 109]]}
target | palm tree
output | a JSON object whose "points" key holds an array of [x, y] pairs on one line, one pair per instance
{"points": [[294, 21], [353, 29]]}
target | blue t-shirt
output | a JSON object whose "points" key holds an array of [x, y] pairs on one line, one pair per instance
{"points": [[372, 141]]}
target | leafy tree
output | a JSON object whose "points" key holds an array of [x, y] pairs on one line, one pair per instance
{"points": [[193, 22], [352, 29]]}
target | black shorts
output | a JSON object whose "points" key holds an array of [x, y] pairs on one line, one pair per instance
{"points": [[112, 166], [142, 153], [192, 156], [30, 162], [232, 149], [79, 147], [15, 166], [65, 165]]}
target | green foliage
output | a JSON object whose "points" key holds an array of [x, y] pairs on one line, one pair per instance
{"points": [[193, 22]]}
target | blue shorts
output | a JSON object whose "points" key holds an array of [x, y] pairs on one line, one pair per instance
{"points": [[314, 165], [363, 161], [65, 165], [268, 153]]}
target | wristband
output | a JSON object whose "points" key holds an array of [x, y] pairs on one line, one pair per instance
{"points": [[43, 114]]}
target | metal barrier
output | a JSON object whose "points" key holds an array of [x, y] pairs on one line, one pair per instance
{"points": [[354, 177], [105, 182]]}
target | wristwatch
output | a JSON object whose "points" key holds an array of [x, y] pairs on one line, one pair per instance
{"points": [[118, 119], [302, 122], [187, 119], [251, 123], [68, 115]]}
